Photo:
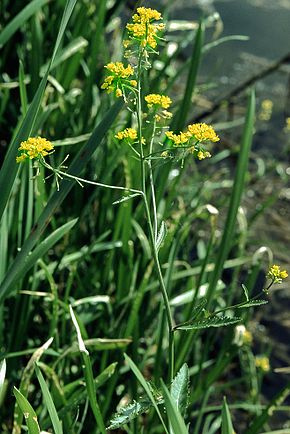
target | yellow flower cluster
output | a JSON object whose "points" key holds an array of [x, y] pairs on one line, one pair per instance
{"points": [[276, 274], [34, 147], [198, 133], [128, 133], [118, 78], [143, 29], [262, 362], [154, 99], [203, 132]]}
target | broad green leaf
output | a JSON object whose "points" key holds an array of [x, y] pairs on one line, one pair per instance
{"points": [[146, 387], [227, 426], [180, 389], [215, 321], [57, 426], [20, 19], [175, 419], [28, 412]]}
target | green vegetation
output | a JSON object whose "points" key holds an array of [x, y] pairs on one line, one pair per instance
{"points": [[127, 281]]}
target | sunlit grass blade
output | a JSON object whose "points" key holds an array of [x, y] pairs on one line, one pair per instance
{"points": [[175, 419], [28, 412], [2, 378], [181, 117], [57, 198], [9, 168], [227, 426], [37, 253], [146, 387], [236, 195], [57, 426], [89, 378], [20, 19]]}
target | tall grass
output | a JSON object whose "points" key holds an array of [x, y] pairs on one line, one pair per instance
{"points": [[106, 320]]}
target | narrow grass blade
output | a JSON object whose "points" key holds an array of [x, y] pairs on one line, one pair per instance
{"points": [[235, 197], [9, 168], [22, 89], [89, 378], [28, 412], [227, 426], [146, 387], [176, 421], [39, 251], [216, 321], [57, 426], [20, 19], [2, 377], [191, 79], [78, 164]]}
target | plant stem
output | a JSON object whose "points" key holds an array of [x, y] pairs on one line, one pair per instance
{"points": [[151, 230]]}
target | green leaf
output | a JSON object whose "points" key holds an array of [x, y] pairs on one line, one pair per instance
{"points": [[20, 19], [227, 426], [57, 426], [129, 412], [180, 389], [161, 235], [146, 387], [246, 292], [175, 419], [237, 190], [28, 412], [125, 198], [89, 378], [2, 377], [215, 321], [252, 303]]}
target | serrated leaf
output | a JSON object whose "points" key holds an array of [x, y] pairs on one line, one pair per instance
{"points": [[180, 388], [227, 426], [176, 420], [252, 303], [129, 412], [161, 235], [125, 198], [215, 321]]}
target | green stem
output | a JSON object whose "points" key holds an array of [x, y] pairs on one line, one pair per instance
{"points": [[151, 230], [155, 219]]}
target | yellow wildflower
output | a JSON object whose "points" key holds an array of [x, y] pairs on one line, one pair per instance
{"points": [[203, 132], [276, 274], [143, 29], [242, 336], [177, 139], [34, 147], [201, 154], [118, 78], [154, 99], [263, 363], [128, 133]]}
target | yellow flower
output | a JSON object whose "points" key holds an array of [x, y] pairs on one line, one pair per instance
{"points": [[262, 362], [118, 79], [128, 133], [158, 100], [34, 147], [276, 274], [177, 139], [143, 29], [203, 132], [201, 155]]}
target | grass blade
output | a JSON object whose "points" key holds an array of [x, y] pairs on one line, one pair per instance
{"points": [[2, 377], [146, 387], [227, 426], [20, 19], [176, 421], [57, 426], [235, 197], [89, 378], [28, 412]]}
